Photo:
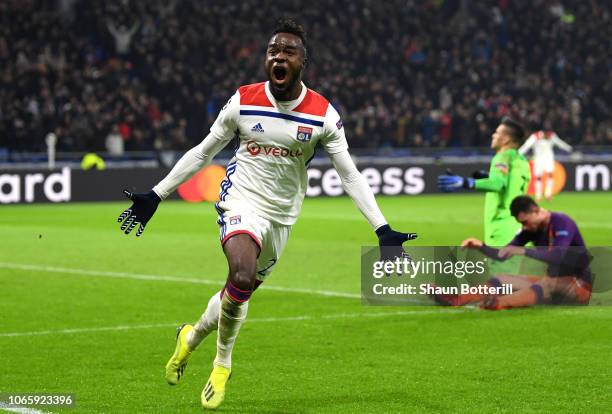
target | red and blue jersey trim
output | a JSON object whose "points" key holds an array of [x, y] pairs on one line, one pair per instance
{"points": [[289, 117], [255, 95]]}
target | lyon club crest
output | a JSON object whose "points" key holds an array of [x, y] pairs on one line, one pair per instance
{"points": [[304, 134]]}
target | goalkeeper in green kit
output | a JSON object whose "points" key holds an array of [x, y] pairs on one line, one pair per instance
{"points": [[508, 178]]}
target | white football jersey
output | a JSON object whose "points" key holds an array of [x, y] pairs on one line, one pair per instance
{"points": [[542, 143], [268, 173]]}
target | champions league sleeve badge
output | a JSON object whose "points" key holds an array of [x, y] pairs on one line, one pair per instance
{"points": [[304, 134]]}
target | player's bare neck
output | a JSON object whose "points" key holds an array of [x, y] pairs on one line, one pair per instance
{"points": [[288, 95]]}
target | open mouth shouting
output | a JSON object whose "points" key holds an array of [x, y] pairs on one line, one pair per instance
{"points": [[279, 75]]}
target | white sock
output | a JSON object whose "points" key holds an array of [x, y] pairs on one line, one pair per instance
{"points": [[208, 322], [232, 315], [538, 187], [549, 187]]}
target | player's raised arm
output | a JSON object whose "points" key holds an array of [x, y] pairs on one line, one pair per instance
{"points": [[527, 145], [560, 143], [355, 184], [145, 204]]}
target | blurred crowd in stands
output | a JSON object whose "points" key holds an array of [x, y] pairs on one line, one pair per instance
{"points": [[144, 75]]}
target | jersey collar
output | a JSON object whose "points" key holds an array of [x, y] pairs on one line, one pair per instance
{"points": [[286, 105]]}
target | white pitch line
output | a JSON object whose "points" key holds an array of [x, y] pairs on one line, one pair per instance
{"points": [[86, 330], [21, 410], [456, 311], [166, 278], [249, 321]]}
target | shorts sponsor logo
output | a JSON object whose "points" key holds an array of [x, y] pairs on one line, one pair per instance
{"points": [[304, 134], [256, 149], [235, 220]]}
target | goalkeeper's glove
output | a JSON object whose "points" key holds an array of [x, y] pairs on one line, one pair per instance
{"points": [[141, 211], [450, 183], [479, 174], [390, 242]]}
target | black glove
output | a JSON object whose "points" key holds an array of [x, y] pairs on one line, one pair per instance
{"points": [[141, 211], [391, 242], [479, 174]]}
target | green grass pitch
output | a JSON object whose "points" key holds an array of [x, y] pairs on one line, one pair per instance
{"points": [[89, 311]]}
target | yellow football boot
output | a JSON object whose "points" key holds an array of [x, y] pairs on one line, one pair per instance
{"points": [[177, 363], [214, 390]]}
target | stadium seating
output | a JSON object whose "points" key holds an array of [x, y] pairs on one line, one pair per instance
{"points": [[401, 73]]}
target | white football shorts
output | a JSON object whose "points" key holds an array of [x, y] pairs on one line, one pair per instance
{"points": [[543, 165], [271, 237]]}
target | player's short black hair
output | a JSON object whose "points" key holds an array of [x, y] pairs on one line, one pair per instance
{"points": [[515, 129], [289, 25], [522, 204]]}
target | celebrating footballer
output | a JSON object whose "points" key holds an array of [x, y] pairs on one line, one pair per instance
{"points": [[278, 124]]}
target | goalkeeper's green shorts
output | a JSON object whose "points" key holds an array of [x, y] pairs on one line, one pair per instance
{"points": [[500, 233]]}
